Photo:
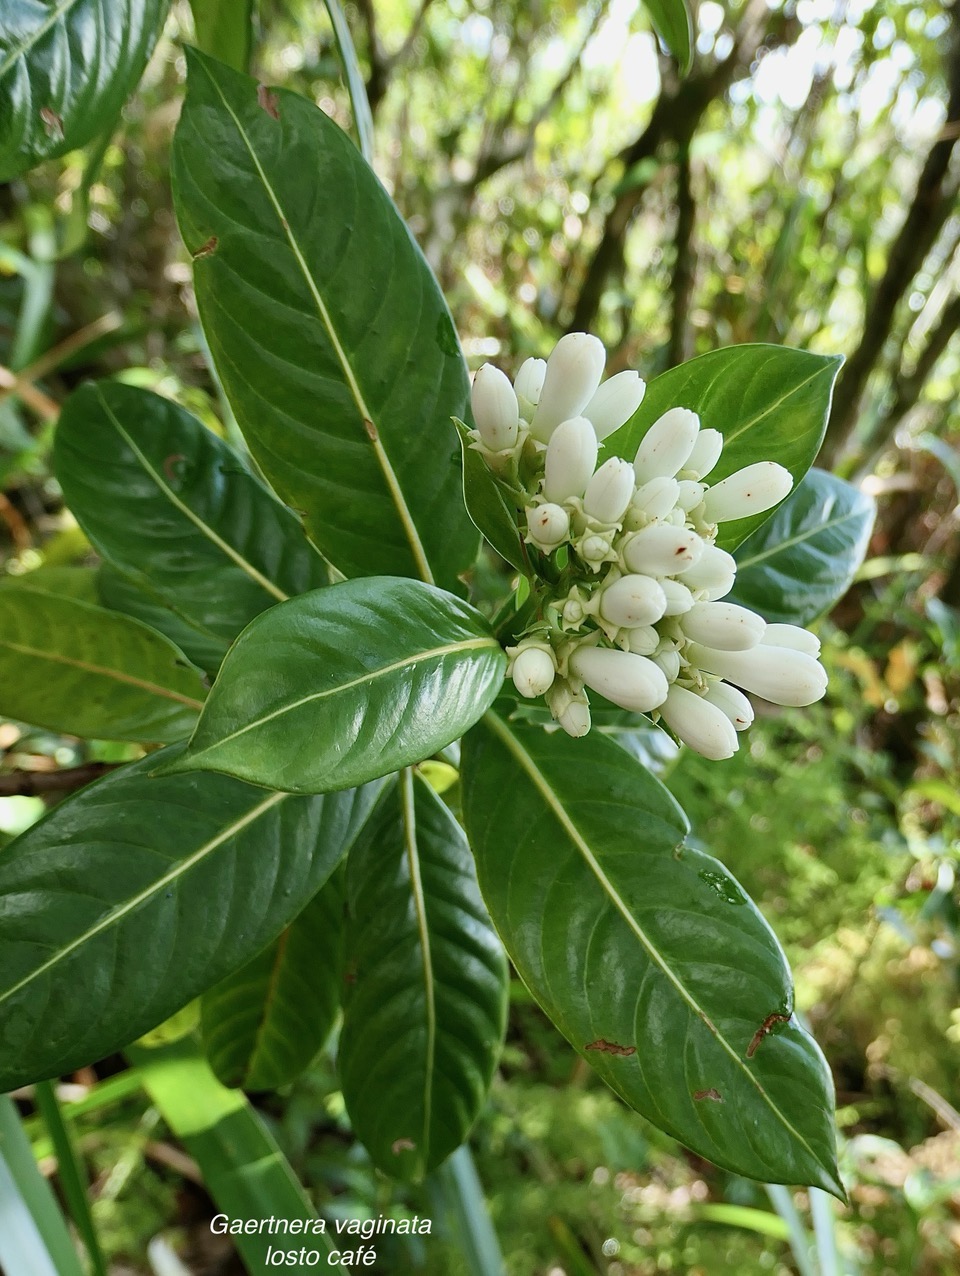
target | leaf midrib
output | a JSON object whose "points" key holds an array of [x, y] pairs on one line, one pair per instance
{"points": [[204, 528], [118, 676], [36, 35], [366, 416], [412, 852], [539, 779], [772, 407], [796, 540], [116, 914], [368, 677]]}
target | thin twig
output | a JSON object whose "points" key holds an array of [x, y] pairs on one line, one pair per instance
{"points": [[37, 783], [34, 398]]}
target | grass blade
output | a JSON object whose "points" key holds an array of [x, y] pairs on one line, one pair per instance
{"points": [[71, 1172], [34, 1240]]}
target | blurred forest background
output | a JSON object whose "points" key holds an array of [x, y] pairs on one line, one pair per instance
{"points": [[799, 186]]}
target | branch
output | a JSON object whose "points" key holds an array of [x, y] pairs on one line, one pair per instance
{"points": [[676, 117], [39, 403], [931, 205], [382, 63], [684, 266], [37, 783]]}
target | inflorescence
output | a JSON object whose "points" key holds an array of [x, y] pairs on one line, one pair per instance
{"points": [[627, 577]]}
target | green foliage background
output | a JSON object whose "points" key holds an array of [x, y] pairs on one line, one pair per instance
{"points": [[558, 171]]}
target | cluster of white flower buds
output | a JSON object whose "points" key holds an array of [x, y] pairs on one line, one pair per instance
{"points": [[626, 574]]}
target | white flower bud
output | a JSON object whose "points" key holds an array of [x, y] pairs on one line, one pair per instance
{"points": [[700, 724], [656, 498], [569, 708], [679, 598], [662, 550], [575, 719], [778, 674], [690, 494], [594, 550], [495, 408], [669, 662], [794, 637], [643, 641], [705, 454], [528, 383], [548, 526], [632, 682], [571, 459], [608, 492], [724, 626], [615, 403], [713, 574], [534, 671], [749, 491], [572, 375], [632, 601], [733, 703], [666, 445]]}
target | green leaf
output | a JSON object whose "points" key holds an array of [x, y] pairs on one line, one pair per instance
{"points": [[62, 582], [344, 684], [135, 596], [71, 666], [224, 28], [426, 1002], [674, 26], [329, 333], [34, 1237], [486, 505], [356, 85], [242, 1166], [66, 69], [263, 1025], [173, 507], [136, 894], [646, 954], [770, 403], [805, 557]]}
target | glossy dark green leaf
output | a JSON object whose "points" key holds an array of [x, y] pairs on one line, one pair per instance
{"points": [[486, 505], [138, 893], [74, 667], [134, 595], [329, 333], [174, 508], [646, 954], [770, 403], [264, 1024], [804, 558], [426, 1000], [224, 28], [344, 684], [66, 69], [674, 26]]}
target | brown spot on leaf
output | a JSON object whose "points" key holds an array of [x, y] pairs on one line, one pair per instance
{"points": [[610, 1047], [268, 101], [714, 1095], [766, 1027], [52, 122], [206, 249], [402, 1145], [170, 464], [371, 430]]}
